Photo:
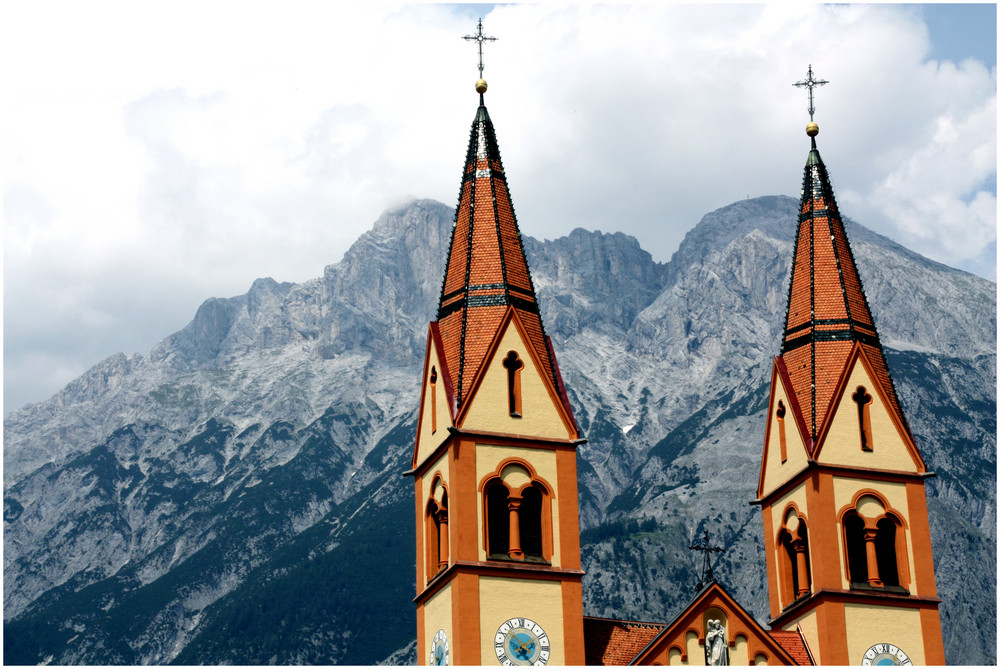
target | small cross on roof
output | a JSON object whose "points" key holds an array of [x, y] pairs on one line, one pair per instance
{"points": [[707, 548], [480, 38], [811, 83]]}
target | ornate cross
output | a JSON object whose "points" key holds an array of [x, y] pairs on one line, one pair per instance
{"points": [[480, 38], [706, 566], [811, 83]]}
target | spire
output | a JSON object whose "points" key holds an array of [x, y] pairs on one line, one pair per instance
{"points": [[827, 308], [486, 270]]}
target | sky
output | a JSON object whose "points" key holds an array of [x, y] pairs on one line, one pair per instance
{"points": [[157, 154]]}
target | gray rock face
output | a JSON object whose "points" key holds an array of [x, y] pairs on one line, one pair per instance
{"points": [[251, 461]]}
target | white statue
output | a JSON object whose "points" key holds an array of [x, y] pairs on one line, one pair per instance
{"points": [[716, 650]]}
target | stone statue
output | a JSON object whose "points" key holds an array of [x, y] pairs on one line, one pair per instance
{"points": [[716, 648]]}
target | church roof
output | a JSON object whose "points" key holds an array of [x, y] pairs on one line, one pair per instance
{"points": [[827, 308], [794, 644], [616, 642], [486, 272]]}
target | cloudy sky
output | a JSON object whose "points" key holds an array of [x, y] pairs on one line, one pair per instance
{"points": [[156, 154]]}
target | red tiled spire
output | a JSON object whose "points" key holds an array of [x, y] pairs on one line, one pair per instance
{"points": [[827, 308], [486, 269]]}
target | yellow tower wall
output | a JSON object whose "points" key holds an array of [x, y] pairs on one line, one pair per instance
{"points": [[541, 601], [868, 625], [437, 616]]}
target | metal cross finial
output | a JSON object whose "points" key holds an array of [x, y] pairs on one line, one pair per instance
{"points": [[706, 566], [480, 37], [811, 83]]}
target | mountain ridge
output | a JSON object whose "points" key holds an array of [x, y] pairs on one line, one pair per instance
{"points": [[300, 397]]}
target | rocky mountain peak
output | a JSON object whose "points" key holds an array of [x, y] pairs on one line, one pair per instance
{"points": [[249, 457]]}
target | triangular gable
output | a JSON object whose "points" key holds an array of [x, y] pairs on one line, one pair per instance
{"points": [[489, 375], [843, 389], [739, 624], [433, 356], [796, 437]]}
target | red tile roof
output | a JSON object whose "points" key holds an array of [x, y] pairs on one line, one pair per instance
{"points": [[615, 642], [794, 645], [486, 270], [827, 308]]}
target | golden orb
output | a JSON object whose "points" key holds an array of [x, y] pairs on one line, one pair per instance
{"points": [[481, 86], [812, 129]]}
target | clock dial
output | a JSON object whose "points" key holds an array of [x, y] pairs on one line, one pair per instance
{"points": [[439, 649], [521, 642], [885, 655]]}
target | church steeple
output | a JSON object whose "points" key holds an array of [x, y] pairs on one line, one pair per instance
{"points": [[827, 308], [494, 463], [841, 488], [486, 270]]}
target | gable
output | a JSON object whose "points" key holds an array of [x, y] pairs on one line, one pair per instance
{"points": [[887, 442], [684, 640], [436, 404], [541, 410], [781, 461]]}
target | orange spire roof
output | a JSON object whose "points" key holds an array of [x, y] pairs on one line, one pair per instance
{"points": [[486, 270], [827, 308]]}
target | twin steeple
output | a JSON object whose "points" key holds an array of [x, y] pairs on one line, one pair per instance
{"points": [[827, 308], [841, 488], [486, 270]]}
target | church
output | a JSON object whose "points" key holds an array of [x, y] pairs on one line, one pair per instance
{"points": [[841, 488]]}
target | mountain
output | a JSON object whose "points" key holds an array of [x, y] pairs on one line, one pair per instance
{"points": [[235, 495]]}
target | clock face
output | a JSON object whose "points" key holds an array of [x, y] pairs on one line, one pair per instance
{"points": [[885, 655], [439, 649], [520, 641]]}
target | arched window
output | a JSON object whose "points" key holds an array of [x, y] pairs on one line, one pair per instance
{"points": [[793, 557], [497, 521], [857, 560], [517, 514], [437, 530], [531, 523], [875, 544], [796, 549], [885, 552]]}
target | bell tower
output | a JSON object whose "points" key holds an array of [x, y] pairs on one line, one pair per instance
{"points": [[494, 464], [841, 488]]}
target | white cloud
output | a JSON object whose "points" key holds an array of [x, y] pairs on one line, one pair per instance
{"points": [[187, 148]]}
